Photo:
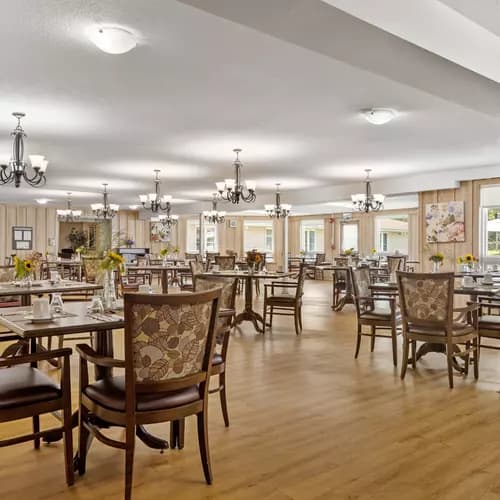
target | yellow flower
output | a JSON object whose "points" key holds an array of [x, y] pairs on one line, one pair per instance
{"points": [[28, 265], [469, 258]]}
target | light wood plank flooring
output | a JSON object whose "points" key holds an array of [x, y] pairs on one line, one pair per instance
{"points": [[307, 422]]}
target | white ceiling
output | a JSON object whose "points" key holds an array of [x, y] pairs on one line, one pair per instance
{"points": [[284, 80]]}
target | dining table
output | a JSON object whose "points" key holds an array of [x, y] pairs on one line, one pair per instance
{"points": [[163, 271], [75, 319], [248, 313]]}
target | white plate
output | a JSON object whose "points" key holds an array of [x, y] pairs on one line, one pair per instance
{"points": [[33, 320]]}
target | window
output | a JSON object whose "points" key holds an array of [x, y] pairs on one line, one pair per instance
{"points": [[349, 235], [312, 236], [193, 236], [489, 224], [391, 233], [258, 235]]}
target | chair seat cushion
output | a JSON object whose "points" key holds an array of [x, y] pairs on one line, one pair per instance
{"points": [[24, 385], [282, 299], [381, 310], [110, 392], [458, 329], [224, 312]]}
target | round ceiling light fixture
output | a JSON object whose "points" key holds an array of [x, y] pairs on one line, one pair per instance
{"points": [[379, 116], [112, 39]]}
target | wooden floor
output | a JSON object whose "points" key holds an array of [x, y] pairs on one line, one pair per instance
{"points": [[307, 422]]}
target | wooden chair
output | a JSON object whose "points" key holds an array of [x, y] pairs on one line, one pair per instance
{"points": [[489, 321], [427, 316], [130, 281], [396, 263], [377, 312], [91, 268], [192, 256], [211, 257], [318, 260], [225, 262], [26, 392], [169, 346], [285, 304], [225, 320]]}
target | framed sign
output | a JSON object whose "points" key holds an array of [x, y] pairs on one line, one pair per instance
{"points": [[22, 238]]}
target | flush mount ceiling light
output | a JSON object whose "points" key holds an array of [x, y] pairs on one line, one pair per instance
{"points": [[112, 39], [42, 201], [379, 116]]}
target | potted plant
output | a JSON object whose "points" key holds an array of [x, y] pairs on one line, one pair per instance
{"points": [[77, 238], [253, 260], [467, 262]]}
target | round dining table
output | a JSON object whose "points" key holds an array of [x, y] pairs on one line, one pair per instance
{"points": [[248, 313]]}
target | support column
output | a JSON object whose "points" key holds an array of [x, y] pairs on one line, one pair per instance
{"points": [[202, 235], [285, 244]]}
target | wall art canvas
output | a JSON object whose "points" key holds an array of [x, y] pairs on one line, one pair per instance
{"points": [[445, 222], [159, 232]]}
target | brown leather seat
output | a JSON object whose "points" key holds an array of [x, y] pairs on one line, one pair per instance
{"points": [[458, 329], [282, 299], [381, 310], [110, 392], [24, 385]]}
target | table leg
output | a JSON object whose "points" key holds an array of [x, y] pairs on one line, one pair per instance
{"points": [[164, 280], [248, 313], [439, 348]]}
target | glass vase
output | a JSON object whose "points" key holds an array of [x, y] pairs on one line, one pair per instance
{"points": [[109, 290], [435, 266]]}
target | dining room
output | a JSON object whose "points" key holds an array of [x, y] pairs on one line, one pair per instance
{"points": [[249, 250]]}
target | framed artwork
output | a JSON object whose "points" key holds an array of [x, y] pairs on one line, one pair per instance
{"points": [[22, 238], [445, 222], [233, 223], [159, 232]]}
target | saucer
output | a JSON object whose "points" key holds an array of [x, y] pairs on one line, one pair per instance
{"points": [[34, 320]]}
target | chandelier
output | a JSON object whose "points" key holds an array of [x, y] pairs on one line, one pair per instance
{"points": [[68, 215], [214, 216], [232, 189], [167, 219], [18, 165], [105, 210], [368, 202], [278, 210], [154, 201]]}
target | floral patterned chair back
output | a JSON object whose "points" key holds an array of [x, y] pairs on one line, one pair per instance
{"points": [[197, 267], [192, 256], [300, 281], [169, 340], [320, 258], [228, 286], [225, 262], [341, 261], [92, 269], [426, 299], [396, 263], [360, 279]]}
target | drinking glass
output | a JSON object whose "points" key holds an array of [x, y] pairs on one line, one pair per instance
{"points": [[57, 305]]}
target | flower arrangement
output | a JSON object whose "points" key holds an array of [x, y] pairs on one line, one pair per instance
{"points": [[302, 253], [23, 267], [373, 251], [176, 250], [437, 257], [128, 242], [348, 251], [81, 249], [253, 258], [468, 258], [112, 261], [166, 250]]}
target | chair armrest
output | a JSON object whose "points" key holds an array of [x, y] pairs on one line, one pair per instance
{"points": [[35, 357], [88, 354], [282, 284], [471, 306]]}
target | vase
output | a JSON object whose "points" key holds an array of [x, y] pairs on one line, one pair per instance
{"points": [[251, 267], [436, 266], [109, 290]]}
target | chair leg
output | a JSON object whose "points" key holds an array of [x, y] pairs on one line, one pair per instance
{"points": [[414, 354], [181, 433], [358, 342], [406, 349], [68, 444], [83, 439], [223, 398], [467, 359], [296, 320], [475, 344], [203, 444], [264, 318], [36, 428], [129, 460], [449, 359], [271, 317], [372, 340], [300, 317], [394, 345]]}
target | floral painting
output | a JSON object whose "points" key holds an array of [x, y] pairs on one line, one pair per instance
{"points": [[445, 222], [159, 232]]}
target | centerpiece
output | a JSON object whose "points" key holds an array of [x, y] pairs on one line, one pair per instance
{"points": [[254, 258], [112, 262], [437, 260], [467, 262], [23, 269]]}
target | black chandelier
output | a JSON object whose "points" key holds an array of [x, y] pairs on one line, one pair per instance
{"points": [[232, 189], [168, 220], [368, 202], [68, 215], [214, 216], [155, 201], [17, 164], [278, 210], [105, 210]]}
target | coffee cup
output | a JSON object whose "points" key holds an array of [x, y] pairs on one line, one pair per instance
{"points": [[467, 281], [41, 308]]}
